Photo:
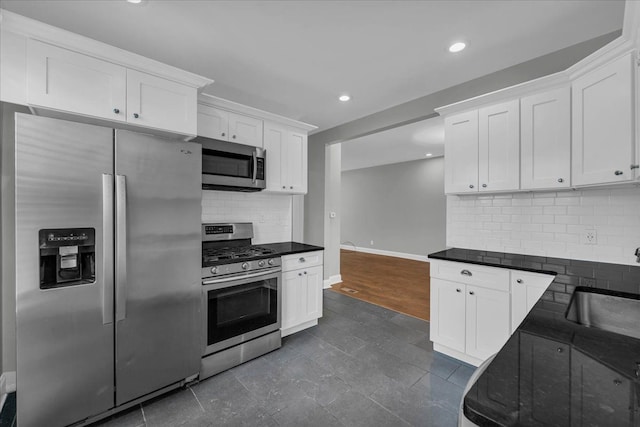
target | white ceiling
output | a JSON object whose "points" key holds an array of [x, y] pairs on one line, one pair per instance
{"points": [[401, 144], [295, 57]]}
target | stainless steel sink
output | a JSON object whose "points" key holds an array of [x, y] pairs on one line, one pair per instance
{"points": [[611, 311]]}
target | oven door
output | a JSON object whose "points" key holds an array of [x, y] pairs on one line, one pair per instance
{"points": [[238, 309]]}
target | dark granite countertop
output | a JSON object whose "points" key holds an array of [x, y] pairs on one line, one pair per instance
{"points": [[288, 248], [553, 371]]}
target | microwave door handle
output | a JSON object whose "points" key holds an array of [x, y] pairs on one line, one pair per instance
{"points": [[255, 167], [121, 247]]}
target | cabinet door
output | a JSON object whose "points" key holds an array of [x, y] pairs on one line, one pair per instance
{"points": [[293, 298], [213, 123], [602, 122], [526, 290], [448, 313], [545, 130], [499, 147], [314, 292], [544, 381], [275, 145], [161, 104], [487, 321], [245, 130], [600, 396], [461, 153], [69, 81], [295, 169]]}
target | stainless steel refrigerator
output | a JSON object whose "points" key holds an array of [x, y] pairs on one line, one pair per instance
{"points": [[107, 268]]}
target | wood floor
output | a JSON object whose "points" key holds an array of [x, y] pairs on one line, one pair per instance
{"points": [[395, 283]]}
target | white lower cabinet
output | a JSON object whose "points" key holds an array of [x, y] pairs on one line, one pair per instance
{"points": [[301, 291], [475, 309]]}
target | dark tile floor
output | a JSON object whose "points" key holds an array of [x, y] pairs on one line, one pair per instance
{"points": [[363, 365]]}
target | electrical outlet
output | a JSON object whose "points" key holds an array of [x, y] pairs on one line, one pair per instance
{"points": [[589, 237], [372, 243]]}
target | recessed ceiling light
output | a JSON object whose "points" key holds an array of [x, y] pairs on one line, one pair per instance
{"points": [[457, 47], [135, 1], [428, 155], [344, 98]]}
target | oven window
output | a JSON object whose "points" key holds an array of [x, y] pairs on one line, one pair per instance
{"points": [[240, 309], [226, 164]]}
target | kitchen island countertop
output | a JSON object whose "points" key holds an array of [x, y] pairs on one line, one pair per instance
{"points": [[553, 371]]}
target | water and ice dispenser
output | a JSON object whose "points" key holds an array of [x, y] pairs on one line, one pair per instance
{"points": [[67, 257]]}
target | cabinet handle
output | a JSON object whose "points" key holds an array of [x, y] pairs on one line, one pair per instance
{"points": [[116, 110], [305, 272], [518, 280], [484, 185], [559, 350], [223, 133], [136, 115], [291, 187], [560, 180], [466, 273], [470, 185], [458, 290], [299, 274], [234, 137], [617, 382], [635, 167], [301, 259], [471, 293], [618, 172], [284, 187]]}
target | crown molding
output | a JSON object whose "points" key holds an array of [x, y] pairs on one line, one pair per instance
{"points": [[46, 33], [225, 104]]}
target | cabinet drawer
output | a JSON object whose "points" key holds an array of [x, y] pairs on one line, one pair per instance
{"points": [[537, 280], [302, 260], [471, 274]]}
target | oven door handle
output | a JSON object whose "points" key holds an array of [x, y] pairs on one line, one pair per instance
{"points": [[246, 276]]}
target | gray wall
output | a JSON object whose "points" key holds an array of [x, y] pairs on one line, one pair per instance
{"points": [[7, 233], [333, 156], [401, 207]]}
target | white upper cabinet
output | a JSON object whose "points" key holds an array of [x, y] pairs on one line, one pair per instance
{"points": [[461, 152], [286, 150], [63, 80], [245, 130], [545, 137], [603, 124], [499, 147], [160, 103], [213, 122], [228, 126], [68, 81]]}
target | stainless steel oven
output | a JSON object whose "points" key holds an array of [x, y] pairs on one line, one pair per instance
{"points": [[241, 297], [240, 308]]}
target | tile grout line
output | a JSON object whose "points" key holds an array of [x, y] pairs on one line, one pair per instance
{"points": [[197, 400]]}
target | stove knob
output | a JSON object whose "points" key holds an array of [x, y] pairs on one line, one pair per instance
{"points": [[261, 263], [271, 261], [245, 265], [214, 270]]}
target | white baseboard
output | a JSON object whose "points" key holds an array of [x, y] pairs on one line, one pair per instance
{"points": [[414, 257], [7, 385], [336, 278], [3, 393]]}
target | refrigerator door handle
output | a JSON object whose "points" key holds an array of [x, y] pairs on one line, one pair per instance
{"points": [[107, 248], [121, 247]]}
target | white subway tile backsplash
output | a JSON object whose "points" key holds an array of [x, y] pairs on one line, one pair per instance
{"points": [[549, 223], [270, 214]]}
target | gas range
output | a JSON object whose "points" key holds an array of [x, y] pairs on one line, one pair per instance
{"points": [[227, 250]]}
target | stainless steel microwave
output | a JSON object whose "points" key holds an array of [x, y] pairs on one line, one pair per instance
{"points": [[232, 167]]}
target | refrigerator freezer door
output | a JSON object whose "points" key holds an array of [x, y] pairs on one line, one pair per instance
{"points": [[64, 334], [158, 332]]}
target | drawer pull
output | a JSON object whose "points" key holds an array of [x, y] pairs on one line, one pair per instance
{"points": [[519, 280], [471, 293], [559, 350], [301, 259], [458, 290], [466, 273], [617, 382], [305, 272]]}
